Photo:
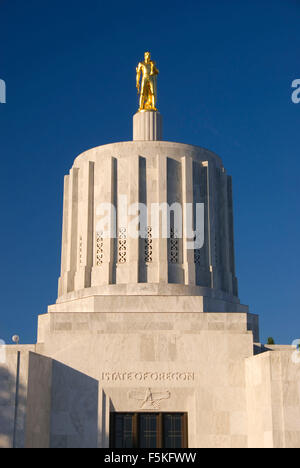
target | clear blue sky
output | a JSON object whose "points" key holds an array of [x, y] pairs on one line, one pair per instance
{"points": [[226, 69]]}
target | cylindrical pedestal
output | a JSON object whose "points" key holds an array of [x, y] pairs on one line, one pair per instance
{"points": [[147, 126]]}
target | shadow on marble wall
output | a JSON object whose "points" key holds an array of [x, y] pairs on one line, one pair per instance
{"points": [[62, 409], [12, 420]]}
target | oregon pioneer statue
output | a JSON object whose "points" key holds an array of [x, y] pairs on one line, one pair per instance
{"points": [[148, 87]]}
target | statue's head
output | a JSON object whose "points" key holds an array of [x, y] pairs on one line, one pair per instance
{"points": [[147, 57]]}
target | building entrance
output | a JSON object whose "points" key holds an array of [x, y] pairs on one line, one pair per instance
{"points": [[148, 430]]}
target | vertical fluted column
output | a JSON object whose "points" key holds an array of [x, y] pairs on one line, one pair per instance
{"points": [[104, 220], [187, 198], [128, 220], [145, 257], [153, 248], [85, 226], [123, 194], [161, 244], [202, 255], [175, 202], [64, 250], [224, 232], [70, 232], [212, 228], [133, 233]]}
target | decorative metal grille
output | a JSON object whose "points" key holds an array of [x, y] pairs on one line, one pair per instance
{"points": [[122, 245], [99, 248], [148, 245], [197, 253], [174, 246], [197, 257]]}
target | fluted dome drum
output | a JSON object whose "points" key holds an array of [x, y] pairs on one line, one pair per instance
{"points": [[152, 173]]}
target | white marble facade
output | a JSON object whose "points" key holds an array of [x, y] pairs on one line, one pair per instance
{"points": [[139, 316], [149, 172]]}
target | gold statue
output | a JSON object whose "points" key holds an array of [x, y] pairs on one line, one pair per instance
{"points": [[148, 89]]}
